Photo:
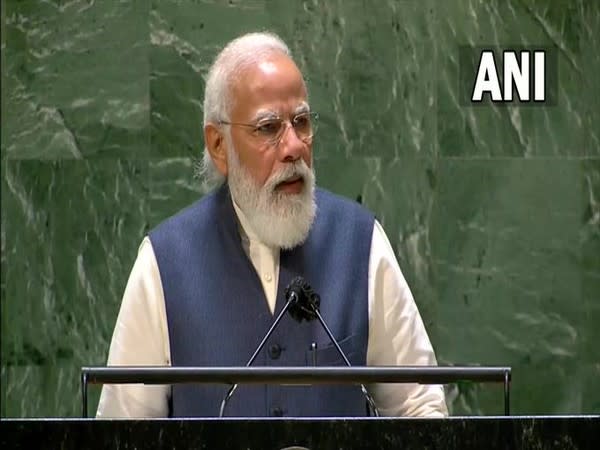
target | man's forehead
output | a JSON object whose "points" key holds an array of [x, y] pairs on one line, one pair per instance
{"points": [[267, 67], [272, 86]]}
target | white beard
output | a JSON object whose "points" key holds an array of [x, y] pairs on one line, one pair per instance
{"points": [[277, 218]]}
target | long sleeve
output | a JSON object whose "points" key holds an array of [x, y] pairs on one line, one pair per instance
{"points": [[140, 337], [397, 336]]}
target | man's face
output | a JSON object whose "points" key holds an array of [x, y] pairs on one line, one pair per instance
{"points": [[271, 88], [272, 182]]}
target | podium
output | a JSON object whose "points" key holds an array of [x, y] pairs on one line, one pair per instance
{"points": [[488, 432], [464, 433]]}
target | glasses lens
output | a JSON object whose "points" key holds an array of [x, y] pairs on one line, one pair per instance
{"points": [[304, 125], [271, 131]]}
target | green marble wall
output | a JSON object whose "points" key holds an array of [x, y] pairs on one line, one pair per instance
{"points": [[493, 211]]}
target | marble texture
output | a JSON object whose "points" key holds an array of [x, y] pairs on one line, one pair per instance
{"points": [[505, 245], [587, 381], [492, 211], [76, 79], [76, 222], [561, 130]]}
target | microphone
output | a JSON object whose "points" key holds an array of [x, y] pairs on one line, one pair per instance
{"points": [[303, 300], [302, 303]]}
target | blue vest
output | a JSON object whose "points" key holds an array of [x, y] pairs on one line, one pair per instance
{"points": [[217, 312]]}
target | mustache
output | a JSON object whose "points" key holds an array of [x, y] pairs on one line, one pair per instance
{"points": [[291, 170]]}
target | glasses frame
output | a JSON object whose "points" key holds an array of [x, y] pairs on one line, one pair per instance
{"points": [[313, 116]]}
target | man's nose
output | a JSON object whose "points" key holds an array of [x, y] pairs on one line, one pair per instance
{"points": [[290, 145]]}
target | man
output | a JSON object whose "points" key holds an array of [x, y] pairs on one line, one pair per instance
{"points": [[207, 282]]}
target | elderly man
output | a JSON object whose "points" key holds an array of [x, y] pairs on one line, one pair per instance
{"points": [[207, 282]]}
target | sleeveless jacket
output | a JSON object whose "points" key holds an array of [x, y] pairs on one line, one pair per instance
{"points": [[217, 312]]}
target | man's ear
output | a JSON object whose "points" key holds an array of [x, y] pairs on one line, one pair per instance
{"points": [[214, 140]]}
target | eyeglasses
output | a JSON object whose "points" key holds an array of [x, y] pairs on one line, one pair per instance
{"points": [[269, 131]]}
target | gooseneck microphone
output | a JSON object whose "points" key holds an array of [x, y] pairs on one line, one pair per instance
{"points": [[303, 304]]}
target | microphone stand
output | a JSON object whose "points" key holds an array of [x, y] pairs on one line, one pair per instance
{"points": [[256, 352], [304, 304], [370, 401], [308, 308]]}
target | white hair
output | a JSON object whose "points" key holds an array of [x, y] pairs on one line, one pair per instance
{"points": [[229, 63]]}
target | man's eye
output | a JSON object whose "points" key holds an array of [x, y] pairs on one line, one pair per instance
{"points": [[302, 121], [268, 128]]}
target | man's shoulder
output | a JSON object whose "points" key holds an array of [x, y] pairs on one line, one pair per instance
{"points": [[329, 201], [190, 214], [342, 224]]}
